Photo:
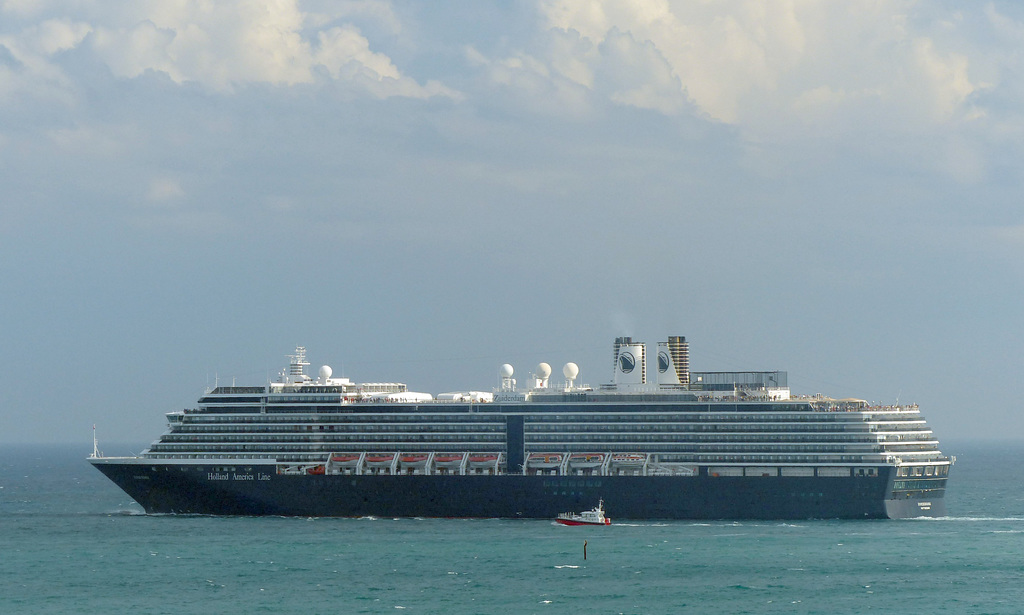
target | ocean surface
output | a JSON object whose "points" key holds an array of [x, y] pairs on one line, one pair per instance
{"points": [[72, 542]]}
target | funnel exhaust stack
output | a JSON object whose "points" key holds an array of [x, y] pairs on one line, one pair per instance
{"points": [[630, 361]]}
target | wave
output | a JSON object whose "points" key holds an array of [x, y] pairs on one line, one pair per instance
{"points": [[972, 519], [638, 524]]}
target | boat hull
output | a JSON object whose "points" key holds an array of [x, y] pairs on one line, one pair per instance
{"points": [[259, 490]]}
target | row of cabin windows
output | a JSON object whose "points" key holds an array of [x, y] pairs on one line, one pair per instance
{"points": [[767, 420], [443, 437], [496, 427], [721, 438], [809, 433], [555, 440], [171, 439], [235, 423], [532, 425], [296, 453], [728, 427], [278, 442], [434, 414], [477, 427], [809, 417], [235, 435], [922, 471], [717, 435], [354, 418], [742, 446], [923, 444], [666, 453], [612, 422], [212, 450]]}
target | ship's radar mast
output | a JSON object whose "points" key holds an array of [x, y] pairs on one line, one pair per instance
{"points": [[296, 369]]}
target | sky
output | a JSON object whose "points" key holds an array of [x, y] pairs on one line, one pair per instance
{"points": [[421, 192]]}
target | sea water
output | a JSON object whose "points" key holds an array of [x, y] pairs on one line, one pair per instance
{"points": [[72, 542]]}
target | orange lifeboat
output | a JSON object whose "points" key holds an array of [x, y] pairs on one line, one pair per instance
{"points": [[629, 459], [545, 460], [446, 458], [586, 460]]}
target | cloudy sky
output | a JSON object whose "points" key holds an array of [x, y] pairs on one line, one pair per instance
{"points": [[422, 191]]}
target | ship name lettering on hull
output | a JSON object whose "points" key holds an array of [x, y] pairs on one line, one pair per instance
{"points": [[236, 476]]}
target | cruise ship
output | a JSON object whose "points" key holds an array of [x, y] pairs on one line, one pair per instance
{"points": [[684, 445]]}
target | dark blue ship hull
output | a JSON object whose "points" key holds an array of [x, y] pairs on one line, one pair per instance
{"points": [[259, 490]]}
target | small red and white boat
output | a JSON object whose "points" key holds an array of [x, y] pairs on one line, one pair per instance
{"points": [[594, 516]]}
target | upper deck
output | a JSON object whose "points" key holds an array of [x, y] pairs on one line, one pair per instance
{"points": [[684, 420]]}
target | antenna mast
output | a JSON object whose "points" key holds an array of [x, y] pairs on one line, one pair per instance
{"points": [[95, 444]]}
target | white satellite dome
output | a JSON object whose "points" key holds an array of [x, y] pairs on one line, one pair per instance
{"points": [[543, 370], [506, 371], [570, 371], [325, 372]]}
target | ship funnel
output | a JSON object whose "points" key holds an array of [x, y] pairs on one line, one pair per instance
{"points": [[674, 362], [630, 361]]}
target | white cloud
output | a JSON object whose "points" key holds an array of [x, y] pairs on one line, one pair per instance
{"points": [[343, 51], [346, 55], [33, 71], [637, 74], [220, 45], [944, 84], [748, 62], [534, 84], [56, 35], [133, 52]]}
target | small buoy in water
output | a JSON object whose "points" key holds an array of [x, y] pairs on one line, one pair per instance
{"points": [[584, 549]]}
